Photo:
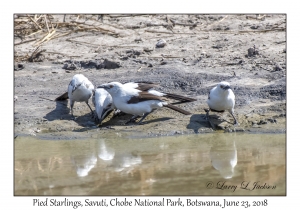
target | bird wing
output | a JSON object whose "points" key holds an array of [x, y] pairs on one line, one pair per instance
{"points": [[105, 112], [181, 99], [89, 85], [143, 96], [145, 86]]}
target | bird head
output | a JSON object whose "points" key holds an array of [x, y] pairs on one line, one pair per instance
{"points": [[224, 86], [103, 103], [112, 87]]}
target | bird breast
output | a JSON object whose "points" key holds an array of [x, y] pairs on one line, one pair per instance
{"points": [[221, 101]]}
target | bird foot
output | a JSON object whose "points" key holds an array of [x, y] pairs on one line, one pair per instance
{"points": [[236, 124], [130, 121], [93, 115], [118, 113], [97, 121]]}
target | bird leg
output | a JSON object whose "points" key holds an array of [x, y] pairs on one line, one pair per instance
{"points": [[92, 112], [235, 121], [207, 118], [207, 114], [72, 105], [132, 119], [144, 116], [95, 118]]}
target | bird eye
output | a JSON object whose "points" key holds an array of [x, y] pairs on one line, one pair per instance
{"points": [[111, 86], [221, 86]]}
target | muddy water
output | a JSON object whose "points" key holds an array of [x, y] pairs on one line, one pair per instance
{"points": [[206, 164]]}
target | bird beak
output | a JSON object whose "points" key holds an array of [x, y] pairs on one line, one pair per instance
{"points": [[227, 87], [102, 86]]}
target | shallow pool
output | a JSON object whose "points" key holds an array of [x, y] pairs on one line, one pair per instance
{"points": [[204, 164]]}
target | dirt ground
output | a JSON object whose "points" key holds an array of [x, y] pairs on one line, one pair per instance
{"points": [[248, 51]]}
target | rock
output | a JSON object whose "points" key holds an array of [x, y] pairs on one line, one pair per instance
{"points": [[255, 26], [133, 52], [37, 130], [261, 122], [124, 58], [254, 122], [71, 65], [161, 43], [228, 130], [272, 120], [147, 49], [217, 46], [239, 129], [252, 51], [90, 64], [277, 68], [19, 67], [138, 40], [107, 64]]}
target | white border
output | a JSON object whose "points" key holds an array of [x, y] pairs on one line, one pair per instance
{"points": [[8, 201]]}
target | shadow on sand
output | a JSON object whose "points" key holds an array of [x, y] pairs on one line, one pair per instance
{"points": [[61, 111], [198, 121]]}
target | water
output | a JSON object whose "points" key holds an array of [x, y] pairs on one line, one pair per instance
{"points": [[206, 164]]}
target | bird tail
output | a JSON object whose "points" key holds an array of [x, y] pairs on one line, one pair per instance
{"points": [[181, 99], [175, 108], [62, 97]]}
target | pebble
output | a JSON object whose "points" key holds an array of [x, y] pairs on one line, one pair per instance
{"points": [[161, 43], [272, 120], [238, 129], [262, 122], [138, 40], [255, 26], [252, 51], [147, 49], [19, 67], [277, 68], [15, 98]]}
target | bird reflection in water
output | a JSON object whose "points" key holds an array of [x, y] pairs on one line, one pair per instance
{"points": [[223, 156], [105, 153], [84, 164], [123, 161], [118, 161]]}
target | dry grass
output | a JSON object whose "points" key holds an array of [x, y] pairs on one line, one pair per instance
{"points": [[46, 27]]}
